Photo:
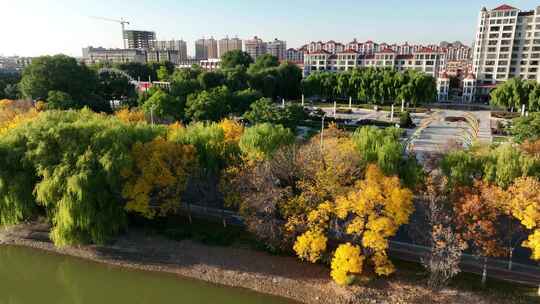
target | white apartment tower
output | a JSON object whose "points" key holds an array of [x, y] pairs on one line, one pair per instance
{"points": [[507, 45]]}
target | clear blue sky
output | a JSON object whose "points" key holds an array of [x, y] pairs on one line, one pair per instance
{"points": [[36, 27]]}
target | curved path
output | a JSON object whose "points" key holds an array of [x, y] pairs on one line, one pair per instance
{"points": [[435, 135]]}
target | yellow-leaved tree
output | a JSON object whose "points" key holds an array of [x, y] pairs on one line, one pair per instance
{"points": [[127, 115], [348, 261], [524, 205], [366, 217], [14, 113], [156, 181]]}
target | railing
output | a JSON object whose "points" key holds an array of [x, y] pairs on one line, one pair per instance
{"points": [[496, 268]]}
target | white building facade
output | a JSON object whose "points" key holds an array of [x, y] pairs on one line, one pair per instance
{"points": [[507, 45], [425, 60]]}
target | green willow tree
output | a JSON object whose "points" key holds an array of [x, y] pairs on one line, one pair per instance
{"points": [[71, 163]]}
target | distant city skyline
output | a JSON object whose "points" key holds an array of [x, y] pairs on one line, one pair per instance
{"points": [[37, 27]]}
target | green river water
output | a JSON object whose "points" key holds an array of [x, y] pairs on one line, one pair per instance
{"points": [[29, 276]]}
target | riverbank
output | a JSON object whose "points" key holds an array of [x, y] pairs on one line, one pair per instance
{"points": [[241, 267]]}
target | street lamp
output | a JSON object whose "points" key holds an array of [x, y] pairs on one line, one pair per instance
{"points": [[322, 132]]}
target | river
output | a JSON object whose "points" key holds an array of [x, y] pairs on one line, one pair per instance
{"points": [[29, 276]]}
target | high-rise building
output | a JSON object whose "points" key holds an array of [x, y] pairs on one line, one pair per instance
{"points": [[507, 45], [140, 39], [173, 45], [229, 44], [206, 48], [255, 47], [277, 48]]}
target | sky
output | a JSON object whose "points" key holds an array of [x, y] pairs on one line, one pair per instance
{"points": [[47, 27]]}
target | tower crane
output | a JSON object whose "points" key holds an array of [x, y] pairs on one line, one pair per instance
{"points": [[122, 23]]}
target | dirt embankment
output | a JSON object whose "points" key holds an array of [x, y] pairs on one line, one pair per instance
{"points": [[238, 267]]}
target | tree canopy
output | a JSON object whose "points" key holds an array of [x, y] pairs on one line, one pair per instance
{"points": [[235, 58]]}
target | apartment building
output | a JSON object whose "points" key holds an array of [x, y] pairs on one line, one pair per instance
{"points": [[277, 48], [329, 46], [255, 47], [139, 39], [295, 55], [425, 60], [507, 45], [173, 45], [206, 49], [229, 44], [93, 55], [14, 64], [155, 55]]}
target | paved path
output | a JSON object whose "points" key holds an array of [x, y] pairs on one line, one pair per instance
{"points": [[435, 134], [497, 268]]}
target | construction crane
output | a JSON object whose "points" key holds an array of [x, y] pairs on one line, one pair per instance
{"points": [[122, 23]]}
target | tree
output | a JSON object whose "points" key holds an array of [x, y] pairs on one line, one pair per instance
{"points": [[263, 140], [379, 146], [514, 93], [210, 80], [57, 73], [525, 206], [526, 128], [212, 105], [163, 106], [461, 168], [263, 62], [261, 111], [275, 194], [235, 58], [9, 85], [310, 246], [67, 156], [115, 86], [289, 79], [446, 246], [348, 261], [243, 100], [162, 73], [137, 70], [11, 91], [61, 101], [476, 221], [365, 217], [156, 182], [236, 79], [130, 115]]}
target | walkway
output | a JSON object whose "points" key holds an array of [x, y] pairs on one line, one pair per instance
{"points": [[435, 134]]}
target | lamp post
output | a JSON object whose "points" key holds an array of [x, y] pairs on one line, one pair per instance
{"points": [[322, 133]]}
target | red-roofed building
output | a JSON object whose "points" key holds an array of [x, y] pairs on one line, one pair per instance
{"points": [[504, 7]]}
